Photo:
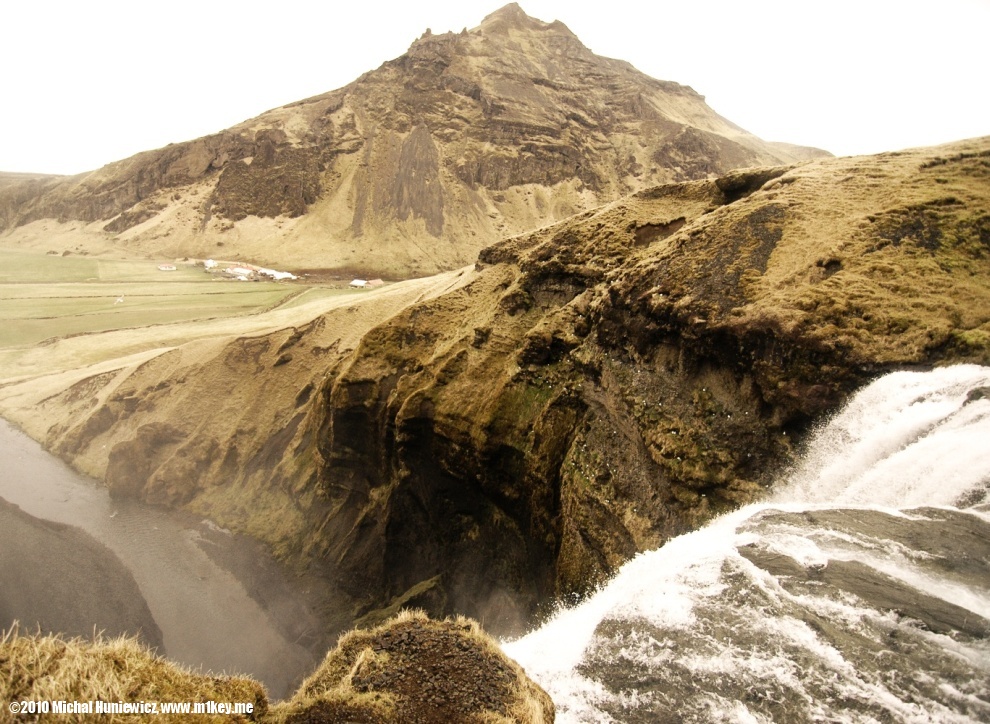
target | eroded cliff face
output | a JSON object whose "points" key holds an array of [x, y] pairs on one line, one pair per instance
{"points": [[412, 168], [520, 455], [583, 393], [620, 378]]}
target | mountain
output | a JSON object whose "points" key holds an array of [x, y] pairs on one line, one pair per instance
{"points": [[7, 178], [410, 169], [503, 436]]}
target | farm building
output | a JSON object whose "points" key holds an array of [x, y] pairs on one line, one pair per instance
{"points": [[277, 275], [366, 284]]}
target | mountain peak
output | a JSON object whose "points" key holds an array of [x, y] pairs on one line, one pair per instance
{"points": [[511, 12], [512, 16], [411, 169]]}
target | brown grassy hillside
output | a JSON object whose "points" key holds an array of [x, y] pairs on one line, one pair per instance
{"points": [[407, 171], [518, 430]]}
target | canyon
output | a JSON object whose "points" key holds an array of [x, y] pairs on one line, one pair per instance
{"points": [[497, 438], [612, 316]]}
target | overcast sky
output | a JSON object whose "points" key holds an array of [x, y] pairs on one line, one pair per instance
{"points": [[87, 82]]}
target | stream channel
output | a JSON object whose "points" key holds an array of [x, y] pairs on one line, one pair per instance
{"points": [[203, 597]]}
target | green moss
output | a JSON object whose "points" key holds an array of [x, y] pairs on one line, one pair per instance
{"points": [[975, 342], [517, 408]]}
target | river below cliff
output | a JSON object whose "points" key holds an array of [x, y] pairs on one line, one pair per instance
{"points": [[219, 601]]}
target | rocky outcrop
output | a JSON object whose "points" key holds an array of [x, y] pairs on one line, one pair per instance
{"points": [[617, 379], [584, 393], [415, 669], [413, 167]]}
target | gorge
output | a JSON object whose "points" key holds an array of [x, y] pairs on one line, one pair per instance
{"points": [[583, 393], [857, 591], [636, 316]]}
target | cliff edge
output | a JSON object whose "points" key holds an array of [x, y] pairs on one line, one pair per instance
{"points": [[408, 669]]}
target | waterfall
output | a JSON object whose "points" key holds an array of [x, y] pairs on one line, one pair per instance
{"points": [[908, 439], [860, 591]]}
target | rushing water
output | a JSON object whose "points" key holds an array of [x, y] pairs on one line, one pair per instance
{"points": [[859, 593], [218, 607]]}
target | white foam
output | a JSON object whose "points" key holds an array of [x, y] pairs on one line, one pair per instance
{"points": [[907, 440]]}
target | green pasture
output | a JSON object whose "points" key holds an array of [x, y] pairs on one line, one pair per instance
{"points": [[21, 267], [45, 296]]}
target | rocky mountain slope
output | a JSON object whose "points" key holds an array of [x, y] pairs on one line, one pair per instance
{"points": [[7, 178], [410, 169], [512, 434]]}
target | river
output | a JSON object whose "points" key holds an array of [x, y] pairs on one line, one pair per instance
{"points": [[220, 602]]}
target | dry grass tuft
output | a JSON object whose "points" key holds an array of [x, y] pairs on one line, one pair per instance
{"points": [[412, 668], [52, 668], [409, 669]]}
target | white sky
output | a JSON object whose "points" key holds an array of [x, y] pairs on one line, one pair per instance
{"points": [[86, 82]]}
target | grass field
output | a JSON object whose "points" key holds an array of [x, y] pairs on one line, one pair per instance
{"points": [[33, 267], [64, 318], [45, 297]]}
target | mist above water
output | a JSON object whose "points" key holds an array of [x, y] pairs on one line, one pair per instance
{"points": [[219, 607], [908, 439], [859, 592]]}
